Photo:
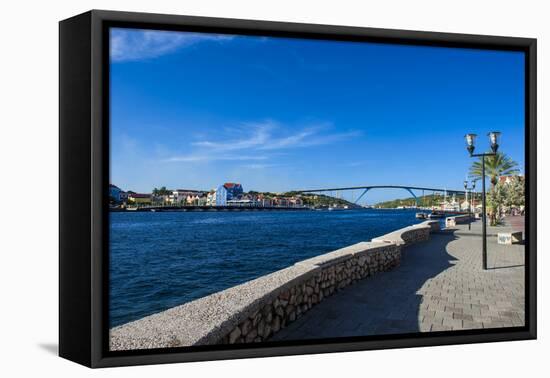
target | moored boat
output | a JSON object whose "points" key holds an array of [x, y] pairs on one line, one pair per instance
{"points": [[421, 215], [336, 208]]}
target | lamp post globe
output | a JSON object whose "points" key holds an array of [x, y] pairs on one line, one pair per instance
{"points": [[470, 142], [493, 138]]}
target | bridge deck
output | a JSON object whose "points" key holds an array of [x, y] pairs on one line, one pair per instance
{"points": [[451, 191]]}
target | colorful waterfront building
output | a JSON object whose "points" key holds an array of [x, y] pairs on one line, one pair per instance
{"points": [[228, 192], [201, 201], [184, 196], [221, 196], [281, 202], [117, 194], [211, 198], [139, 198], [234, 190], [193, 199], [265, 201], [243, 202], [296, 202]]}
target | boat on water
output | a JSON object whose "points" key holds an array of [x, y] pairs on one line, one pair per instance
{"points": [[438, 214], [336, 208], [421, 215]]}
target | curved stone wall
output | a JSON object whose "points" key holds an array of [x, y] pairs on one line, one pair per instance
{"points": [[408, 235], [458, 219], [255, 310]]}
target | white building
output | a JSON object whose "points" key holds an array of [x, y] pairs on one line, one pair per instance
{"points": [[245, 202], [211, 198], [177, 197], [221, 196], [183, 196]]}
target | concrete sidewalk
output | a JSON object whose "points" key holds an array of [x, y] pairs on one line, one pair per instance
{"points": [[439, 286]]}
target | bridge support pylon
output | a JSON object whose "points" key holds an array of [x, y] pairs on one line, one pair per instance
{"points": [[361, 196], [414, 195]]}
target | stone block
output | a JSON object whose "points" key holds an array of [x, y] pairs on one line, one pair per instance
{"points": [[510, 237]]}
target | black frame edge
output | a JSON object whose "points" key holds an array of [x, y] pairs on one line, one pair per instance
{"points": [[75, 275], [531, 188], [280, 28], [100, 187], [92, 353]]}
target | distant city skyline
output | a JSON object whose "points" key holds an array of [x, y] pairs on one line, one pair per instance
{"points": [[275, 114]]}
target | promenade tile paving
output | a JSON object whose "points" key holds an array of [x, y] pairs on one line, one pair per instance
{"points": [[439, 286]]}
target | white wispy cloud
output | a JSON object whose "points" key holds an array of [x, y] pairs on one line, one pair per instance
{"points": [[258, 136], [196, 157], [259, 166], [261, 141], [135, 44], [263, 136], [290, 141], [308, 138]]}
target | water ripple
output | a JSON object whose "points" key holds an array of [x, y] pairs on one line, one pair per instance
{"points": [[160, 260]]}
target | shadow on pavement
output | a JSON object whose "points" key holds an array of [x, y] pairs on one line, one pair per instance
{"points": [[506, 267], [385, 303]]}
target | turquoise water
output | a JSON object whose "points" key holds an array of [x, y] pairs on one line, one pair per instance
{"points": [[164, 259]]}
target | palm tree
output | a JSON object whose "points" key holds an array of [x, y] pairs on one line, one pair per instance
{"points": [[495, 166]]}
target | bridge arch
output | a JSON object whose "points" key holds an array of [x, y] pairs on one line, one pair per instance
{"points": [[367, 188], [416, 200]]}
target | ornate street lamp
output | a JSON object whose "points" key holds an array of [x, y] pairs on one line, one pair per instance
{"points": [[470, 189], [470, 146], [493, 137], [470, 141]]}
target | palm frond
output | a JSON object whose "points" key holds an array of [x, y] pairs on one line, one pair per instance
{"points": [[495, 166]]}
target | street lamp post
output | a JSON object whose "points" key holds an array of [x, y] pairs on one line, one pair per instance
{"points": [[470, 141], [471, 188]]}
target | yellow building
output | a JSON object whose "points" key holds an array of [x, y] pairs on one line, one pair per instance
{"points": [[139, 199]]}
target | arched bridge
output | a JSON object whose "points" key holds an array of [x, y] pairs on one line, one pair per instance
{"points": [[366, 188]]}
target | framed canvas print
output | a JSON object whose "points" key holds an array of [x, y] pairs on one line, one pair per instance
{"points": [[253, 188]]}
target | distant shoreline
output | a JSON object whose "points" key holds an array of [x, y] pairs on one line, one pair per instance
{"points": [[207, 209]]}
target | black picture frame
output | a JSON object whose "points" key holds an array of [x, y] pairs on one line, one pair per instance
{"points": [[84, 166]]}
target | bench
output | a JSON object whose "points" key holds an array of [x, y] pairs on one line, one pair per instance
{"points": [[510, 237]]}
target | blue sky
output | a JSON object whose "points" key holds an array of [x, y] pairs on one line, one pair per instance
{"points": [[275, 114]]}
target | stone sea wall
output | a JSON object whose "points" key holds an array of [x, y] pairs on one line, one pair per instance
{"points": [[255, 310], [458, 219]]}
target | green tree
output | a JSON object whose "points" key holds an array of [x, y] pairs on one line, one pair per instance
{"points": [[496, 200], [505, 196], [515, 193], [495, 166]]}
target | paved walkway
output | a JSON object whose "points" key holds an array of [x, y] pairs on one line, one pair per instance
{"points": [[439, 286], [516, 222]]}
